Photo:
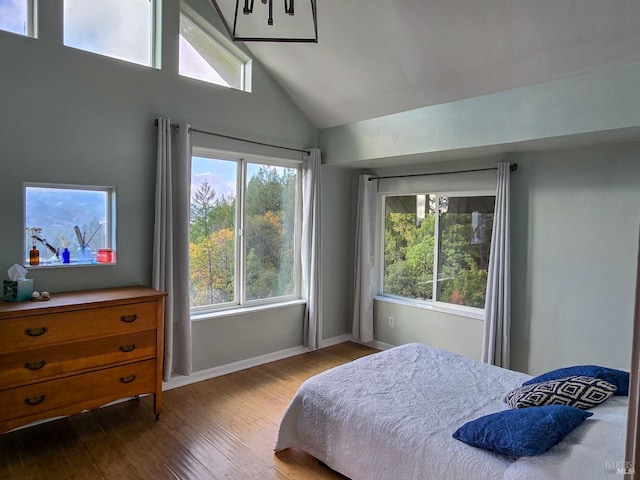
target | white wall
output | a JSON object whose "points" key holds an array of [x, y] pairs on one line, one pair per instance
{"points": [[454, 333], [601, 104], [575, 209], [74, 117], [575, 224], [336, 251], [575, 217]]}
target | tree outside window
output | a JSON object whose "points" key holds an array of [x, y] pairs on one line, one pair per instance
{"points": [[436, 248], [243, 235]]}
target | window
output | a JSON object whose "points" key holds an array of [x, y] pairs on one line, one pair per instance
{"points": [[69, 225], [18, 16], [123, 29], [244, 235], [436, 247], [208, 57]]}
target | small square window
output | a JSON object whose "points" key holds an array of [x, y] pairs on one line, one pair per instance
{"points": [[69, 225], [18, 16], [123, 29]]}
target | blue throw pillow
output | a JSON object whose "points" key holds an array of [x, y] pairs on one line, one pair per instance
{"points": [[522, 432], [618, 378]]}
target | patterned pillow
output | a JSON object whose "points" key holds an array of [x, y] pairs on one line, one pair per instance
{"points": [[577, 391]]}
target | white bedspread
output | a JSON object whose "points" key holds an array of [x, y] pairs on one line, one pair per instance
{"points": [[391, 416]]}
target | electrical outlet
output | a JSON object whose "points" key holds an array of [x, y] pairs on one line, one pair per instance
{"points": [[392, 322]]}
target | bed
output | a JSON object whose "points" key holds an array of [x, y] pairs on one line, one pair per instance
{"points": [[391, 415]]}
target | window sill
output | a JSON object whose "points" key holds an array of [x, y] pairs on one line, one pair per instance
{"points": [[460, 311], [242, 310], [68, 265]]}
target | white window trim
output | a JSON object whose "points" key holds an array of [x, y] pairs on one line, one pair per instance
{"points": [[156, 34], [240, 303], [32, 18], [434, 305], [240, 310]]}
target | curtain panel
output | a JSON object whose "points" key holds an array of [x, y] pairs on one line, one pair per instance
{"points": [[310, 249], [497, 308], [364, 289], [171, 243]]}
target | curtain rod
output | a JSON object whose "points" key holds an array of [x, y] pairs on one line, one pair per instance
{"points": [[514, 167], [191, 129]]}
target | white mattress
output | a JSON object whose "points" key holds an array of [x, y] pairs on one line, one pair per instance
{"points": [[391, 416]]}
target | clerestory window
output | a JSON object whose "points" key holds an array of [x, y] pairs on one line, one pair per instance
{"points": [[18, 16], [205, 55], [123, 29]]}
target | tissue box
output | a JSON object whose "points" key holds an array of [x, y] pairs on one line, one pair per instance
{"points": [[17, 291]]}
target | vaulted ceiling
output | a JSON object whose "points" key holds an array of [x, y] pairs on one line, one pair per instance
{"points": [[377, 57]]}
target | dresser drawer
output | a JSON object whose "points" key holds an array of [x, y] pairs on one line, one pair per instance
{"points": [[40, 330], [28, 366], [78, 392]]}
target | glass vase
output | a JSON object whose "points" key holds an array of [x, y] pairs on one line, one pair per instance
{"points": [[84, 254]]}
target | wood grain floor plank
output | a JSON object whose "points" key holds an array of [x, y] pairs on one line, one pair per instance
{"points": [[219, 429]]}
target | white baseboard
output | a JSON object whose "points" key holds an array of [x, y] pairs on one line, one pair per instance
{"points": [[329, 342], [381, 345], [375, 344], [181, 380]]}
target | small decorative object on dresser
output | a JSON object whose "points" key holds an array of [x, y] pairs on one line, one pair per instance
{"points": [[79, 351]]}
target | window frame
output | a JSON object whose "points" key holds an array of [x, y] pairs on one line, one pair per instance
{"points": [[155, 42], [110, 222], [434, 303], [223, 44], [240, 302], [31, 20]]}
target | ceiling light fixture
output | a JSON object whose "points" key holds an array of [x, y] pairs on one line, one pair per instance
{"points": [[274, 26]]}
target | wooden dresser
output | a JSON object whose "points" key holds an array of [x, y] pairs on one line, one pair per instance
{"points": [[79, 351]]}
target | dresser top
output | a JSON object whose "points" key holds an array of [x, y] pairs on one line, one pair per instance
{"points": [[67, 301]]}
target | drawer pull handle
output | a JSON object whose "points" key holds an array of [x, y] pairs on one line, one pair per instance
{"points": [[36, 332], [128, 348], [35, 365], [129, 318], [128, 379], [34, 400]]}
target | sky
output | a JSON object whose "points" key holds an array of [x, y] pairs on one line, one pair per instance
{"points": [[13, 15], [119, 28], [221, 175]]}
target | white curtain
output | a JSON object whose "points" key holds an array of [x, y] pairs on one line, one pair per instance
{"points": [[311, 271], [497, 307], [364, 290], [171, 243]]}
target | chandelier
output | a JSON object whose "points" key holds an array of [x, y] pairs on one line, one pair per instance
{"points": [[268, 24]]}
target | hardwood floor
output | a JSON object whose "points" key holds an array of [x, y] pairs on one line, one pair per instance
{"points": [[223, 428]]}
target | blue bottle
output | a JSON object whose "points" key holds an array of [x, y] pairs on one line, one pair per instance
{"points": [[65, 256]]}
